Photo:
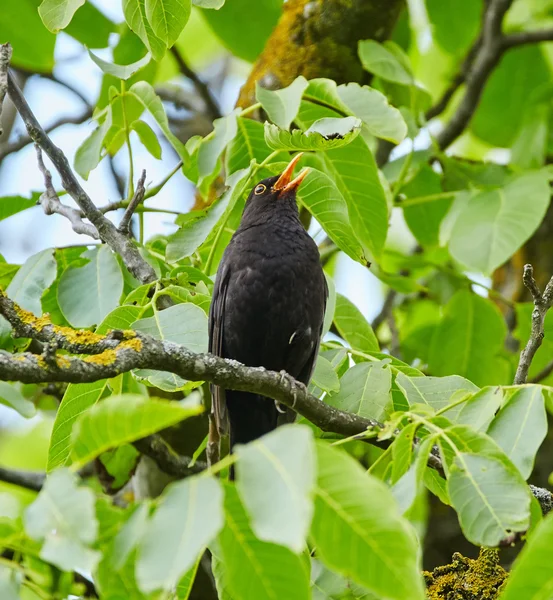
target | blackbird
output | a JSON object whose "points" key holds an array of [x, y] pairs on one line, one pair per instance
{"points": [[268, 304]]}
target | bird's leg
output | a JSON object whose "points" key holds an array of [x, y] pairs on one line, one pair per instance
{"points": [[213, 449], [291, 382]]}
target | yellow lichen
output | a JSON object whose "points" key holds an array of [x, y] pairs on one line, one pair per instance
{"points": [[108, 357], [38, 323], [79, 336], [467, 578]]}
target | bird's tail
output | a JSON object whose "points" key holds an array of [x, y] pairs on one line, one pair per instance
{"points": [[250, 416]]}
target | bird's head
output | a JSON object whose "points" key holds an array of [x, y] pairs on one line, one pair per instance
{"points": [[278, 187]]}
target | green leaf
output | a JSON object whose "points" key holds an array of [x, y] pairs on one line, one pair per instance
{"points": [[211, 148], [371, 106], [228, 24], [79, 397], [493, 225], [469, 340], [248, 144], [479, 409], [91, 27], [33, 45], [10, 395], [168, 18], [64, 517], [29, 283], [254, 568], [324, 375], [353, 326], [57, 14], [189, 515], [358, 531], [11, 205], [199, 224], [135, 16], [120, 71], [490, 498], [530, 577], [184, 324], [365, 390], [214, 4], [324, 134], [87, 294], [319, 194], [521, 426], [436, 392], [89, 153], [276, 477], [122, 419], [383, 61], [146, 95], [455, 26], [282, 105], [147, 137], [530, 146], [520, 74]]}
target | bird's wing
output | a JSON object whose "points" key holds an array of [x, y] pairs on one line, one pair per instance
{"points": [[216, 322]]}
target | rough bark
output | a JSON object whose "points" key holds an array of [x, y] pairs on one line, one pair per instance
{"points": [[318, 38]]}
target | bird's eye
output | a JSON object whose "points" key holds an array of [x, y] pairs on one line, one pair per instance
{"points": [[259, 189]]}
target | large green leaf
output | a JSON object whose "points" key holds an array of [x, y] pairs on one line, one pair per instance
{"points": [[79, 397], [135, 15], [358, 531], [10, 395], [211, 148], [521, 426], [488, 497], [531, 577], [521, 73], [122, 419], [276, 477], [87, 294], [282, 105], [254, 568], [64, 517], [385, 61], [188, 516], [228, 22], [494, 224], [11, 205], [323, 134], [91, 27], [455, 25], [57, 14], [437, 392], [168, 18], [33, 44], [197, 226], [469, 340], [365, 390], [146, 95], [353, 327], [319, 194], [248, 144]]}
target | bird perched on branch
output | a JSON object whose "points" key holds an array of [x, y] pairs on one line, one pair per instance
{"points": [[268, 304]]}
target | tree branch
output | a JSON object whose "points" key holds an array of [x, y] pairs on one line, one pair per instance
{"points": [[133, 204], [51, 204], [542, 303], [212, 108], [30, 480], [5, 55], [107, 231], [521, 38]]}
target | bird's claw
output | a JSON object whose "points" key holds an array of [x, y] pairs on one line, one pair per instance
{"points": [[292, 385]]}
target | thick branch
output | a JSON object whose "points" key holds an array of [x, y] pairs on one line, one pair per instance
{"points": [[5, 55], [107, 231], [51, 204], [521, 38], [542, 303]]}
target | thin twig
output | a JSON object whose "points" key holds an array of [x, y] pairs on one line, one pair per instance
{"points": [[542, 303], [107, 231], [25, 140], [544, 373], [137, 198], [520, 38], [69, 87], [30, 480], [202, 89], [51, 204], [385, 310], [5, 56]]}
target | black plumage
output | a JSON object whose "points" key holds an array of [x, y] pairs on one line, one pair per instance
{"points": [[268, 303]]}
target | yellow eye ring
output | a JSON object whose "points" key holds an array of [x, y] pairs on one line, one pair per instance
{"points": [[259, 189]]}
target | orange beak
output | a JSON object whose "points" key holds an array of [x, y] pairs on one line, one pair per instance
{"points": [[285, 183]]}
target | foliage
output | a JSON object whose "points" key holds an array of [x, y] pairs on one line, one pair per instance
{"points": [[311, 514]]}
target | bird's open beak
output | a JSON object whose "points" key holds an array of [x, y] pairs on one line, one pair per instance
{"points": [[285, 183]]}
